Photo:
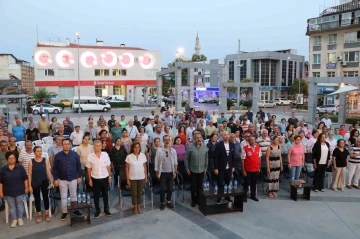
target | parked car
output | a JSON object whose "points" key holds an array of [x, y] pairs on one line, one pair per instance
{"points": [[267, 104], [115, 100], [331, 109], [66, 102], [201, 100], [46, 107], [211, 100], [282, 101]]}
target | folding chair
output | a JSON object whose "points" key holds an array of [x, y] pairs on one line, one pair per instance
{"points": [[37, 143], [7, 210], [48, 140], [45, 147], [20, 144]]}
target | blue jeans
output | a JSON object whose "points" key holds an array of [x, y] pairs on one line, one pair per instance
{"points": [[295, 172], [16, 206]]}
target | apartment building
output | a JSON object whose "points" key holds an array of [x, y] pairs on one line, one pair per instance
{"points": [[334, 46], [13, 68]]}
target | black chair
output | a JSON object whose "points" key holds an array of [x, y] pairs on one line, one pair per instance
{"points": [[123, 191], [55, 197]]}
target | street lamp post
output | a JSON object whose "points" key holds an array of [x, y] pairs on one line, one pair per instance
{"points": [[78, 69]]}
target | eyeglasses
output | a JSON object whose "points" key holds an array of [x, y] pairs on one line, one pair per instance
{"points": [[167, 153]]}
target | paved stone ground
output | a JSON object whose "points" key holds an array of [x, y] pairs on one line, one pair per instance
{"points": [[328, 215]]}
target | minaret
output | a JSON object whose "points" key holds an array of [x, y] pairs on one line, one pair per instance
{"points": [[197, 44]]}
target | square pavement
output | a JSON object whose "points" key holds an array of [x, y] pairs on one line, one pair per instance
{"points": [[327, 215]]}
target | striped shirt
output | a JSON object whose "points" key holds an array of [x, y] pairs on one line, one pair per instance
{"points": [[264, 143], [356, 159], [25, 158]]}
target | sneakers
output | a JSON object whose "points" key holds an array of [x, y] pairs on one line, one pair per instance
{"points": [[20, 222], [322, 190], [63, 216], [349, 186], [77, 213], [97, 214], [170, 205], [228, 199], [218, 201], [14, 223], [357, 187], [316, 190], [162, 207], [107, 213]]}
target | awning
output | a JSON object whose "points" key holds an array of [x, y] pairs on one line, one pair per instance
{"points": [[345, 89]]}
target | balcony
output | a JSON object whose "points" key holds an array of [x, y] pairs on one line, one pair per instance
{"points": [[348, 45], [351, 64], [331, 47], [316, 66], [317, 48], [347, 7]]}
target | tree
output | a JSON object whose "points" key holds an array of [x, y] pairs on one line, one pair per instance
{"points": [[41, 94], [197, 58], [231, 90], [168, 82], [247, 90], [304, 87]]}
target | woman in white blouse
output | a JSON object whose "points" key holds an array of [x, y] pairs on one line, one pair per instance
{"points": [[144, 140], [189, 131], [332, 142], [136, 175]]}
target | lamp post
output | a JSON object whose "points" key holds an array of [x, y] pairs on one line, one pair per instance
{"points": [[180, 52], [78, 69]]}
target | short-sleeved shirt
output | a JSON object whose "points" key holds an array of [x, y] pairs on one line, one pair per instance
{"points": [[136, 166], [32, 134], [13, 180], [340, 157], [19, 132], [297, 154], [25, 158], [53, 150], [98, 165]]}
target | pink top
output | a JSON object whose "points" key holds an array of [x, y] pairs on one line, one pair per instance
{"points": [[297, 153]]}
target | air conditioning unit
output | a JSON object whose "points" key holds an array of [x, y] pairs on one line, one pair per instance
{"points": [[15, 84], [344, 63], [339, 58]]}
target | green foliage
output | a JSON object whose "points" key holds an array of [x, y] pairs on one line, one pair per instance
{"points": [[229, 103], [197, 58], [247, 90], [41, 94], [231, 90], [349, 119], [304, 87], [58, 105], [120, 104], [246, 103], [302, 107], [183, 103], [167, 84]]}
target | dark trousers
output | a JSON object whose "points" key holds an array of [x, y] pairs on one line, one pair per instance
{"points": [[101, 185], [116, 175], [319, 176], [167, 182], [43, 188], [196, 181], [250, 179], [43, 135]]}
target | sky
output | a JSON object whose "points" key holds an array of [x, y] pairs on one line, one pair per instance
{"points": [[161, 25]]}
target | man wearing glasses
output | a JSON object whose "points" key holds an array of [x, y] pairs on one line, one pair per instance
{"points": [[166, 167]]}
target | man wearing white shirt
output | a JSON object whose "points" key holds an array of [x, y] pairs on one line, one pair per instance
{"points": [[327, 121], [98, 169], [76, 136], [132, 129], [214, 118], [149, 129]]}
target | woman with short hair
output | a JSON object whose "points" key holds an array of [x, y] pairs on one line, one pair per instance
{"points": [[340, 162], [136, 175], [321, 157], [296, 157]]}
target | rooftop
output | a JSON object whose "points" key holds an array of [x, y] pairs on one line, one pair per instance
{"points": [[73, 45]]}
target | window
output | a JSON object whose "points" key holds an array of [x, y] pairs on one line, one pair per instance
{"points": [[195, 69], [265, 71], [66, 92], [332, 39], [315, 24], [199, 73], [350, 73], [317, 41], [295, 69], [352, 56], [207, 79], [273, 72], [331, 57], [346, 19], [352, 37], [66, 72], [316, 59], [301, 69], [150, 72], [243, 69], [123, 72], [256, 70], [231, 70], [290, 73], [328, 22], [357, 17], [331, 74], [101, 72], [119, 89], [316, 74], [46, 72], [99, 90], [283, 73]]}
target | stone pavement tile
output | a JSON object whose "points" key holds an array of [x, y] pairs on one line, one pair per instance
{"points": [[152, 224], [284, 219]]}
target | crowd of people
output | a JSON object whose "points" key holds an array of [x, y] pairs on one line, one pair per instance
{"points": [[212, 147]]}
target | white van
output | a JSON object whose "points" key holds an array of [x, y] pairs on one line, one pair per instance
{"points": [[115, 98], [90, 103]]}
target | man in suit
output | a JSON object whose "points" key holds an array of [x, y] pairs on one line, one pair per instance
{"points": [[224, 162]]}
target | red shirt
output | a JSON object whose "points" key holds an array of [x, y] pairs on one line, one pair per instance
{"points": [[182, 136], [252, 158], [342, 132]]}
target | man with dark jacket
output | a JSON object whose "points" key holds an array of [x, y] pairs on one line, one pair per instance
{"points": [[224, 162]]}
